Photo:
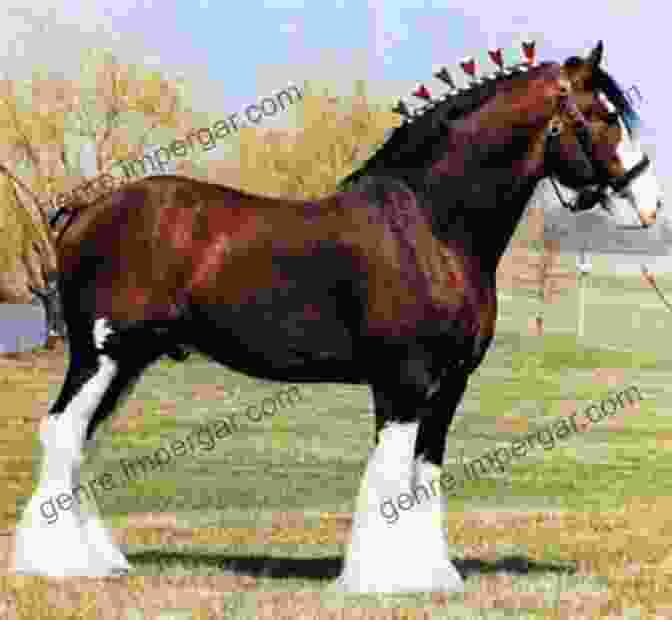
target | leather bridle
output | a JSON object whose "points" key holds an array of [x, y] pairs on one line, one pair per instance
{"points": [[595, 193]]}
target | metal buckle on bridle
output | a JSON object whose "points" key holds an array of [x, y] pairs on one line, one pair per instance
{"points": [[554, 128]]}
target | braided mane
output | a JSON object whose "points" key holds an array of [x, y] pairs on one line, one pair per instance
{"points": [[413, 146], [410, 148]]}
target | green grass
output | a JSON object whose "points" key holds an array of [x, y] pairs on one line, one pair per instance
{"points": [[309, 457]]}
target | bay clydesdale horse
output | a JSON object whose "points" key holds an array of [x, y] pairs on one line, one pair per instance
{"points": [[389, 282]]}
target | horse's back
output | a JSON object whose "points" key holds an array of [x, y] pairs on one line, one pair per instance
{"points": [[364, 259]]}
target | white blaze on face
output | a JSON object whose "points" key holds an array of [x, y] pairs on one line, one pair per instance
{"points": [[643, 193]]}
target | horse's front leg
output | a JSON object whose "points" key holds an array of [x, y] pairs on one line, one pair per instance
{"points": [[398, 543]]}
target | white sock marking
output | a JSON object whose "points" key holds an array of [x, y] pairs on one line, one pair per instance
{"points": [[56, 544], [410, 554]]}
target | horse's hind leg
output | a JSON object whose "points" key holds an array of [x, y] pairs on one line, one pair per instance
{"points": [[95, 532], [55, 537]]}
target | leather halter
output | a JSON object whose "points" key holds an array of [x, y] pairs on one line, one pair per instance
{"points": [[594, 194]]}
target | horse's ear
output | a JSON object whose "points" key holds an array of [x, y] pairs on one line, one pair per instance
{"points": [[595, 57]]}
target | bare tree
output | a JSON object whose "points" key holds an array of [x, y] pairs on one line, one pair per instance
{"points": [[43, 123]]}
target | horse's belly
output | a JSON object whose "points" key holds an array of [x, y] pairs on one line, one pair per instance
{"points": [[282, 334]]}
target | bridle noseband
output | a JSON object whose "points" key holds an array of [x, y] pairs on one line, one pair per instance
{"points": [[594, 194]]}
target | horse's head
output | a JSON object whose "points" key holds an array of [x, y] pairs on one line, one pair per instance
{"points": [[570, 122], [591, 146]]}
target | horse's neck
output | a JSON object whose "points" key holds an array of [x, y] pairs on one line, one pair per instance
{"points": [[481, 211]]}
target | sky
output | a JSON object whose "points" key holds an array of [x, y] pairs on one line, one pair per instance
{"points": [[234, 54]]}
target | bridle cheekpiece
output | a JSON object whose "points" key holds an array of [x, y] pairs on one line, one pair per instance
{"points": [[595, 193]]}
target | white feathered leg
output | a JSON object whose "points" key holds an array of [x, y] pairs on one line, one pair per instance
{"points": [[99, 537], [51, 538], [408, 554]]}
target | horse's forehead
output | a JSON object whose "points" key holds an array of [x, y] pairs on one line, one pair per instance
{"points": [[576, 68]]}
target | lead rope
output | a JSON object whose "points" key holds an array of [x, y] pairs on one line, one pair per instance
{"points": [[648, 276]]}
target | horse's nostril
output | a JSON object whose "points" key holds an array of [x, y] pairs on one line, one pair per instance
{"points": [[659, 204]]}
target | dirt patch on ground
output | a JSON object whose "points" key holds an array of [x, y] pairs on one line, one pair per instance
{"points": [[109, 599], [611, 377], [628, 549]]}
